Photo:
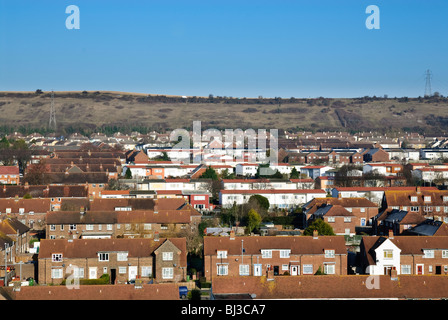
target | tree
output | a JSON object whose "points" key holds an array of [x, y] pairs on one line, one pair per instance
{"points": [[128, 174], [322, 227], [37, 174], [263, 202], [210, 173], [294, 174], [253, 220]]}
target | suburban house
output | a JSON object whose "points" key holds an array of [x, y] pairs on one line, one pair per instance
{"points": [[265, 183], [120, 224], [280, 199], [362, 209], [272, 256], [246, 169], [397, 221], [315, 171], [431, 203], [429, 227], [30, 212], [16, 231], [342, 221], [375, 155], [9, 175], [405, 255], [162, 260], [385, 169]]}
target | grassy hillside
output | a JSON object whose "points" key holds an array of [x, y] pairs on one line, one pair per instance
{"points": [[127, 111]]}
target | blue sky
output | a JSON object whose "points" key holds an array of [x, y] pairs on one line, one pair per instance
{"points": [[229, 48]]}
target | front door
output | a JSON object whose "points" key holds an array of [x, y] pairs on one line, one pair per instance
{"points": [[92, 272], [294, 270], [132, 273], [113, 275], [419, 269], [257, 270]]}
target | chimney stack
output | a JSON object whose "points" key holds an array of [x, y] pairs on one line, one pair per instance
{"points": [[232, 234], [315, 234], [391, 234]]}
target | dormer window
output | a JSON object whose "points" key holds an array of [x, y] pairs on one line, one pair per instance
{"points": [[56, 257]]}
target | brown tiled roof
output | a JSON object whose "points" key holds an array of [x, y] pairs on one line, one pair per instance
{"points": [[54, 191], [408, 244], [112, 217], [77, 178], [36, 205], [254, 245], [329, 286], [403, 198], [165, 291], [137, 204], [12, 226], [9, 170]]}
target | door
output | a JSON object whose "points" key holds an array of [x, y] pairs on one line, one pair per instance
{"points": [[276, 270], [257, 270], [92, 272], [294, 270], [113, 275], [363, 222], [438, 269], [419, 269], [132, 273]]}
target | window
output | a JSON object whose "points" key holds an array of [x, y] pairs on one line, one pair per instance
{"points": [[109, 227], [428, 253], [147, 226], [406, 269], [285, 267], [223, 269], [72, 227], [266, 253], [427, 198], [329, 253], [445, 198], [122, 256], [122, 270], [347, 219], [89, 227], [445, 254], [56, 273], [146, 271], [284, 253], [52, 227], [103, 256], [244, 269], [414, 209], [167, 256], [363, 209], [167, 273], [329, 268], [331, 219], [307, 269], [56, 257], [62, 227], [222, 254], [413, 199], [388, 254]]}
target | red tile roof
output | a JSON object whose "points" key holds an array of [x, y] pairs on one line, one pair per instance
{"points": [[9, 170]]}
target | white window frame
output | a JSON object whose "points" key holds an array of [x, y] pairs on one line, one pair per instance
{"points": [[266, 254], [428, 254], [103, 256], [57, 257], [122, 270], [285, 253], [122, 256], [222, 269], [244, 269], [167, 273], [329, 268], [167, 256], [57, 273], [306, 267], [221, 254], [329, 253], [146, 271], [406, 269]]}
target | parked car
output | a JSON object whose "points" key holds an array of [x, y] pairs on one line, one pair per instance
{"points": [[183, 291]]}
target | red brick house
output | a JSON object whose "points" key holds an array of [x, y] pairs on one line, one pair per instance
{"points": [[273, 256], [163, 260], [9, 175], [340, 219]]}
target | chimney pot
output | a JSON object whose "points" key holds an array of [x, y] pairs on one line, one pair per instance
{"points": [[315, 234], [391, 234]]}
